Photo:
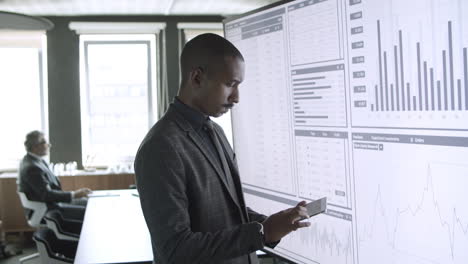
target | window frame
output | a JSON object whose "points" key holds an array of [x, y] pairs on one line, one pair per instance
{"points": [[31, 40], [151, 43]]}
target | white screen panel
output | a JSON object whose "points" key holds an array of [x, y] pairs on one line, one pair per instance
{"points": [[364, 102]]}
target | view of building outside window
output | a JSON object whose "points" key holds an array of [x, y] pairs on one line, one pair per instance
{"points": [[23, 98], [118, 96]]}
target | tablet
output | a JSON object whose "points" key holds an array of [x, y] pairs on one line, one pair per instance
{"points": [[317, 207]]}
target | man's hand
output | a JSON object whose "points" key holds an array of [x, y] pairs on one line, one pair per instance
{"points": [[83, 192], [278, 225]]}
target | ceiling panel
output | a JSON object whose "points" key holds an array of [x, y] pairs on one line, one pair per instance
{"points": [[131, 7], [217, 7]]}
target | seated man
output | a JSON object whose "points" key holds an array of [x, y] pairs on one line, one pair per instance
{"points": [[39, 183]]}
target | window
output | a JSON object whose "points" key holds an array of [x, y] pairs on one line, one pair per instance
{"points": [[191, 30], [118, 96], [23, 97]]}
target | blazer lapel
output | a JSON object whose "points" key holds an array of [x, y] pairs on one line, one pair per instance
{"points": [[230, 156], [209, 156], [192, 134], [52, 178]]}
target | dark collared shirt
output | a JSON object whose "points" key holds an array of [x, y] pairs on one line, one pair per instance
{"points": [[198, 122]]}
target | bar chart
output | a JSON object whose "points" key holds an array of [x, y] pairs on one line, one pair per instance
{"points": [[446, 93], [406, 70], [319, 96]]}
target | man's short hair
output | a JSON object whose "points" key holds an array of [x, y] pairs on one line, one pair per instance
{"points": [[32, 139], [206, 50]]}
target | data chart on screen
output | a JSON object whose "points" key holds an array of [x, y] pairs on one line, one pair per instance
{"points": [[363, 102]]}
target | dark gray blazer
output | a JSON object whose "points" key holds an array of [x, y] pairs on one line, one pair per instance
{"points": [[39, 183], [190, 213]]}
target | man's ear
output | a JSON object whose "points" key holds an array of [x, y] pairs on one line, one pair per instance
{"points": [[33, 149], [196, 76]]}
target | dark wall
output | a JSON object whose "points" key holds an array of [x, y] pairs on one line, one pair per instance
{"points": [[64, 93], [64, 81]]}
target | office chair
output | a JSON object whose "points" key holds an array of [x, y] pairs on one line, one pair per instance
{"points": [[65, 229], [53, 250], [34, 217], [38, 210]]}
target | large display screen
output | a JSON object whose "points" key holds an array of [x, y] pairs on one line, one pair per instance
{"points": [[364, 102]]}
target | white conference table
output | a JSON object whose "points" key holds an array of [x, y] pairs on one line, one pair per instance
{"points": [[114, 230]]}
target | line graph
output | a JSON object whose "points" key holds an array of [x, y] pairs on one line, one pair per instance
{"points": [[449, 223], [417, 212], [328, 240]]}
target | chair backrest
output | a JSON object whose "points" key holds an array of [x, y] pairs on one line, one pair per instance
{"points": [[57, 224], [53, 250], [38, 210]]}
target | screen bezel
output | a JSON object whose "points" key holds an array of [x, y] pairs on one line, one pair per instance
{"points": [[234, 17], [268, 250]]}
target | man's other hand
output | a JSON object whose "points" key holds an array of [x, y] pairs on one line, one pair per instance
{"points": [[83, 192]]}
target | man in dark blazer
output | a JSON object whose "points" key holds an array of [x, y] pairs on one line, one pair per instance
{"points": [[186, 171], [39, 183]]}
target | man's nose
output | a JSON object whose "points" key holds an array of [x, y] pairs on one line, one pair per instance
{"points": [[234, 98]]}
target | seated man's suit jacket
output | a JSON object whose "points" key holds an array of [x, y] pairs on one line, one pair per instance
{"points": [[191, 214], [39, 183]]}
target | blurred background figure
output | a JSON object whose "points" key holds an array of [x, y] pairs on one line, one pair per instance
{"points": [[38, 182]]}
